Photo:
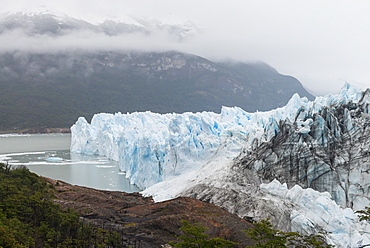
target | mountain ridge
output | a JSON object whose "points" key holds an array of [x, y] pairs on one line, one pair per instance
{"points": [[71, 75], [46, 22], [57, 88]]}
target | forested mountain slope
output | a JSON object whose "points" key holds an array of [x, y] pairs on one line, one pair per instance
{"points": [[53, 90]]}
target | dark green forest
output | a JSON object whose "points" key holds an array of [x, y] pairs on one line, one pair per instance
{"points": [[29, 218]]}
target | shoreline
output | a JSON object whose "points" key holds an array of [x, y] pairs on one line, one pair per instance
{"points": [[37, 130]]}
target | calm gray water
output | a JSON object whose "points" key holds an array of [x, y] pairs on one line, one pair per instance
{"points": [[48, 155]]}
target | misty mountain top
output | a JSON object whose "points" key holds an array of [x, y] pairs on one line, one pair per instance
{"points": [[54, 89], [68, 67], [52, 23]]}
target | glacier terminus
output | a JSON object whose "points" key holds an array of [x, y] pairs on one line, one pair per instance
{"points": [[306, 165]]}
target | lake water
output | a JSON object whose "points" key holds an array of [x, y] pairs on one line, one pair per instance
{"points": [[48, 155]]}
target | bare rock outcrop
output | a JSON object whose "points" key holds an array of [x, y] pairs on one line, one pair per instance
{"points": [[143, 223]]}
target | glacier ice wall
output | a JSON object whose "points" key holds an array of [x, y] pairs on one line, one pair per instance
{"points": [[327, 151], [152, 148], [223, 158]]}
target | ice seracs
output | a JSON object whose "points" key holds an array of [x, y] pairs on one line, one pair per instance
{"points": [[224, 159], [312, 210]]}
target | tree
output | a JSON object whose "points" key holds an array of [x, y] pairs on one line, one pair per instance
{"points": [[364, 214], [194, 237], [28, 218], [267, 237]]}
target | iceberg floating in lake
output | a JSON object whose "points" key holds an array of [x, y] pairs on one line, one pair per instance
{"points": [[54, 159]]}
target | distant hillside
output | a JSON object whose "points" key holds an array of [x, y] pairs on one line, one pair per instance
{"points": [[52, 87], [53, 90]]}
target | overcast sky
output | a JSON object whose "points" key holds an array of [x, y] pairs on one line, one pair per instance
{"points": [[323, 43]]}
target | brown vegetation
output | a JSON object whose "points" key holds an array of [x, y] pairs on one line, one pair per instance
{"points": [[143, 223]]}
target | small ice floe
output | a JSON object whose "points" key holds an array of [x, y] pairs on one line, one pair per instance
{"points": [[54, 159]]}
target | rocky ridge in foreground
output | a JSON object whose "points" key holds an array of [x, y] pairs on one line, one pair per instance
{"points": [[143, 223]]}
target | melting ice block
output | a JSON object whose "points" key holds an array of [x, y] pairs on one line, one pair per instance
{"points": [[54, 159]]}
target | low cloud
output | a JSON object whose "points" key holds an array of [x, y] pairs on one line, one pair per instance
{"points": [[320, 43], [18, 40], [203, 43]]}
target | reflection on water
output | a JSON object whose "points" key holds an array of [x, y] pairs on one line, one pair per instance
{"points": [[58, 163]]}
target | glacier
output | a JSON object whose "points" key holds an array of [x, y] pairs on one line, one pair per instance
{"points": [[233, 158], [311, 210], [152, 147]]}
